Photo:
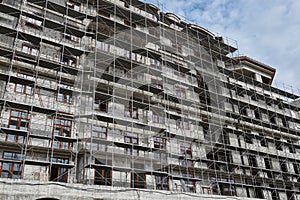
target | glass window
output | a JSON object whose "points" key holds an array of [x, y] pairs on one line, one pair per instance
{"points": [[99, 133], [33, 23], [160, 119], [62, 128], [23, 89], [183, 124], [101, 105], [69, 60], [30, 48], [180, 92], [59, 173], [160, 143], [157, 83], [186, 152], [103, 175], [73, 5], [162, 183], [138, 180], [11, 169], [65, 98], [70, 37], [263, 141], [15, 138], [134, 112], [131, 138], [189, 185], [278, 144], [19, 120], [248, 138]]}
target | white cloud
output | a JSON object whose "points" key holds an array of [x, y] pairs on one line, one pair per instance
{"points": [[268, 31]]}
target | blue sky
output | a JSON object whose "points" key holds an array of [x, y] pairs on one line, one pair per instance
{"points": [[265, 30]]}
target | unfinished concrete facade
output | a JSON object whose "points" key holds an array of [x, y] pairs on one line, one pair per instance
{"points": [[115, 99]]}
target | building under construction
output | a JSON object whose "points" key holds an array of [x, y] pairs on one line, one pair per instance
{"points": [[117, 99]]}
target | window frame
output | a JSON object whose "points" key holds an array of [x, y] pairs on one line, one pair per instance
{"points": [[268, 163], [248, 137], [73, 5], [296, 167], [158, 119], [156, 83], [70, 37], [99, 134], [283, 166], [30, 47], [60, 170], [133, 139], [160, 143], [183, 124], [64, 98], [134, 112], [291, 146], [231, 189], [190, 185], [19, 118], [69, 60], [34, 23], [24, 89], [11, 166], [180, 92], [278, 144], [102, 175], [162, 182], [156, 64], [263, 141], [61, 127], [19, 139], [138, 180], [187, 153], [99, 103]]}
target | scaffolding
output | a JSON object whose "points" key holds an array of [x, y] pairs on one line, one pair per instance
{"points": [[121, 94]]}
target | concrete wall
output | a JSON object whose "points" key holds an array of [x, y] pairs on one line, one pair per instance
{"points": [[22, 190]]}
